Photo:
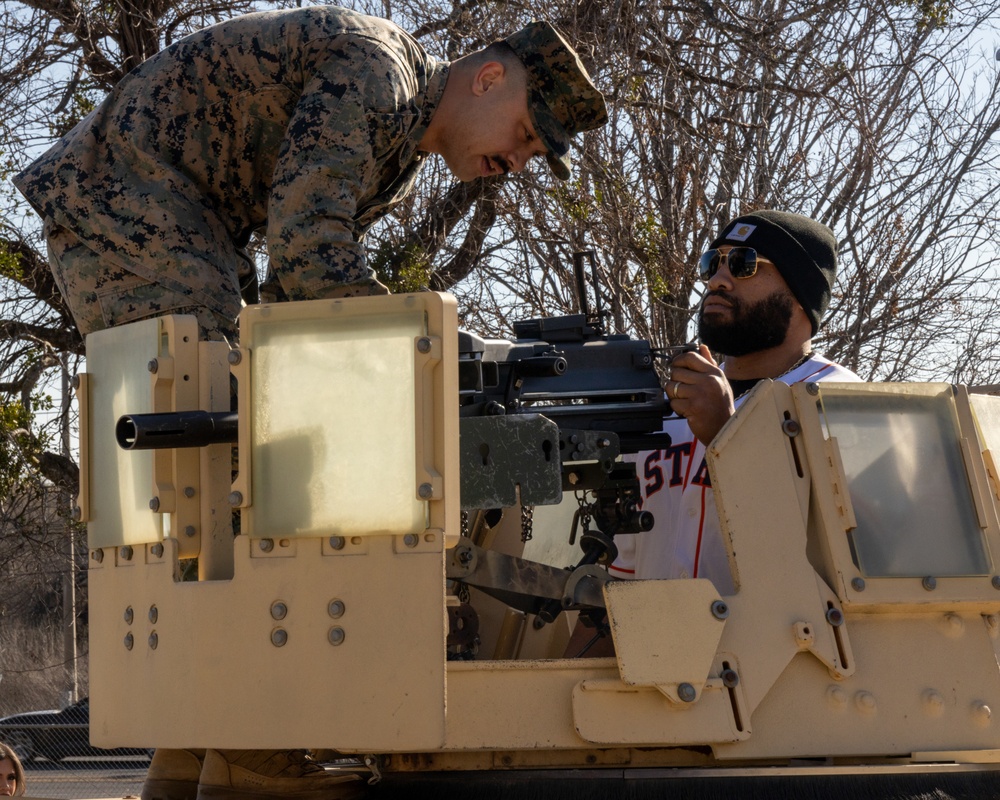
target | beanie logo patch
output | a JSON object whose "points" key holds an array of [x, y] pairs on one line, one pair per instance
{"points": [[741, 232]]}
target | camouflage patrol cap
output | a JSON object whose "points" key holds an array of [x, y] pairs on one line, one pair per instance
{"points": [[562, 99]]}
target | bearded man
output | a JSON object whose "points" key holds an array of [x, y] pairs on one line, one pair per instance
{"points": [[768, 281]]}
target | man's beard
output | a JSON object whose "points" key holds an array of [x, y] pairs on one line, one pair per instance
{"points": [[757, 326]]}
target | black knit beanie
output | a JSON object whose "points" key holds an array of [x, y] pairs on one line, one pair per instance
{"points": [[803, 250]]}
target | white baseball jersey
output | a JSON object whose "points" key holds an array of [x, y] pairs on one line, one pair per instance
{"points": [[686, 540]]}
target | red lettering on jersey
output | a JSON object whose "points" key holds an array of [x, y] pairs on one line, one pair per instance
{"points": [[675, 453], [652, 469], [652, 473], [702, 477]]}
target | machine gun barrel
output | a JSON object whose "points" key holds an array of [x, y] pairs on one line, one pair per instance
{"points": [[181, 429]]}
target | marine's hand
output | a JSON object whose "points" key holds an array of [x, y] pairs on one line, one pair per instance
{"points": [[699, 392]]}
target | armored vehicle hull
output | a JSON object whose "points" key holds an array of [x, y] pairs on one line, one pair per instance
{"points": [[399, 585]]}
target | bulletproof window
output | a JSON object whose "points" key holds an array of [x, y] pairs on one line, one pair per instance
{"points": [[908, 481]]}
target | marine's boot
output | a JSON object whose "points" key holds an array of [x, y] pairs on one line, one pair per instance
{"points": [[173, 775], [321, 756], [271, 775]]}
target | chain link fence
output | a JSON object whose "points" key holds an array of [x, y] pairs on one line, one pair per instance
{"points": [[44, 678]]}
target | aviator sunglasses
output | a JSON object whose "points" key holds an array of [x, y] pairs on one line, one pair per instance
{"points": [[742, 262]]}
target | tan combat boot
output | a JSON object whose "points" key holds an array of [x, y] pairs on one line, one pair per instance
{"points": [[173, 775], [272, 775]]}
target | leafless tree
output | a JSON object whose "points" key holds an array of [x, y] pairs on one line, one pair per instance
{"points": [[878, 118]]}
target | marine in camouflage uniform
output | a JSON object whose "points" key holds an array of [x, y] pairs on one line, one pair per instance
{"points": [[304, 123], [307, 123]]}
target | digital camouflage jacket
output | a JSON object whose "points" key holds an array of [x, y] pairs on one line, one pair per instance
{"points": [[306, 121]]}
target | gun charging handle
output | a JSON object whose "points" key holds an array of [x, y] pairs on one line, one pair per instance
{"points": [[668, 354], [552, 366]]}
